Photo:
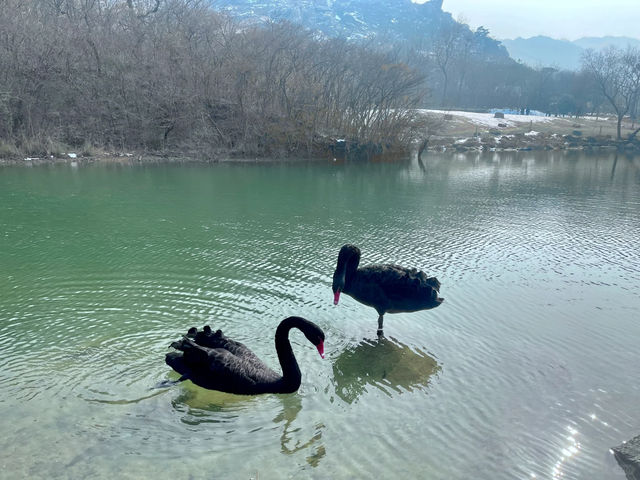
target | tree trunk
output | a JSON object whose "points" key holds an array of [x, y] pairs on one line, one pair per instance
{"points": [[619, 129], [444, 88]]}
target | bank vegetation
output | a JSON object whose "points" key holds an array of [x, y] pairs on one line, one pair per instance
{"points": [[176, 76]]}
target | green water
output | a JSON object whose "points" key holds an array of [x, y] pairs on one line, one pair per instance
{"points": [[530, 367]]}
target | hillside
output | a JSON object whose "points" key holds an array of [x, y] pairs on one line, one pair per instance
{"points": [[400, 20]]}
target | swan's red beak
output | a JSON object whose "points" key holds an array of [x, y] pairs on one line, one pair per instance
{"points": [[336, 297], [320, 348]]}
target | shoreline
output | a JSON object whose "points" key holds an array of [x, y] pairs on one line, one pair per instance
{"points": [[143, 158], [452, 131], [450, 145], [524, 142]]}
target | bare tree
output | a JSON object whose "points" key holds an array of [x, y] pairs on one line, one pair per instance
{"points": [[444, 50], [163, 74], [616, 74]]}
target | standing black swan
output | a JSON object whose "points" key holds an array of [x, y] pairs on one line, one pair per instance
{"points": [[387, 288], [216, 362]]}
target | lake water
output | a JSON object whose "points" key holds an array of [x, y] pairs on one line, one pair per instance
{"points": [[530, 369]]}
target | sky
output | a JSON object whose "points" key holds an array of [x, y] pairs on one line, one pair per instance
{"points": [[562, 19]]}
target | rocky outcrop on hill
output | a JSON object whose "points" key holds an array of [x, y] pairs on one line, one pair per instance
{"points": [[400, 20]]}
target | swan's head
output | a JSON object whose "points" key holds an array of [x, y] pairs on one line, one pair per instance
{"points": [[316, 336], [348, 259], [336, 296]]}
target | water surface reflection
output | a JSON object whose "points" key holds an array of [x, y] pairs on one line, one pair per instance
{"points": [[296, 437], [200, 406], [536, 252], [383, 363]]}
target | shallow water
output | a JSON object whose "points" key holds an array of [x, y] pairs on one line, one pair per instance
{"points": [[529, 368]]}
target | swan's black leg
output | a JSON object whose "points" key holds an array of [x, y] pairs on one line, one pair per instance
{"points": [[380, 320], [170, 383]]}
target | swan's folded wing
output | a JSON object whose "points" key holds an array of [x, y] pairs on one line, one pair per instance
{"points": [[208, 338], [400, 283], [238, 374], [227, 371]]}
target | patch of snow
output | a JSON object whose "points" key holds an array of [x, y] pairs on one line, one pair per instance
{"points": [[500, 137], [72, 155], [532, 133], [513, 111], [462, 140], [488, 120]]}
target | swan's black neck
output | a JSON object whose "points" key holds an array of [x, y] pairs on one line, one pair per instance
{"points": [[291, 376], [348, 261]]}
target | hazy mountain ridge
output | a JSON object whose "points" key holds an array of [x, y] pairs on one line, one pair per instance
{"points": [[357, 19], [564, 54]]}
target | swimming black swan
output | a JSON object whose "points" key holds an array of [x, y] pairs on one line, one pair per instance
{"points": [[216, 362], [387, 288]]}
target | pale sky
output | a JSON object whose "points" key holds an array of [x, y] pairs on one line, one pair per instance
{"points": [[563, 19]]}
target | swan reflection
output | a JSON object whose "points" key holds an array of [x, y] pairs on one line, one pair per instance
{"points": [[383, 363], [305, 437], [209, 406], [200, 406]]}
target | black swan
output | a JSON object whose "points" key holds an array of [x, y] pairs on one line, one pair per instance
{"points": [[213, 361], [387, 288]]}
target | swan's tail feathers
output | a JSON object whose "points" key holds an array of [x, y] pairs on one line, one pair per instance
{"points": [[207, 338], [182, 344], [204, 338], [193, 331], [434, 283], [176, 361], [192, 354]]}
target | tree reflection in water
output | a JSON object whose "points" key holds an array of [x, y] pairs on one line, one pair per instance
{"points": [[383, 363]]}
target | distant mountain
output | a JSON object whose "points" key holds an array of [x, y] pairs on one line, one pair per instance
{"points": [[545, 51], [357, 19], [598, 43]]}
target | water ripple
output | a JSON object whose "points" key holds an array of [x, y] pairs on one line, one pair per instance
{"points": [[523, 372]]}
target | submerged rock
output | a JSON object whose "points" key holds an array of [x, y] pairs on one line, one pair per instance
{"points": [[628, 457]]}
